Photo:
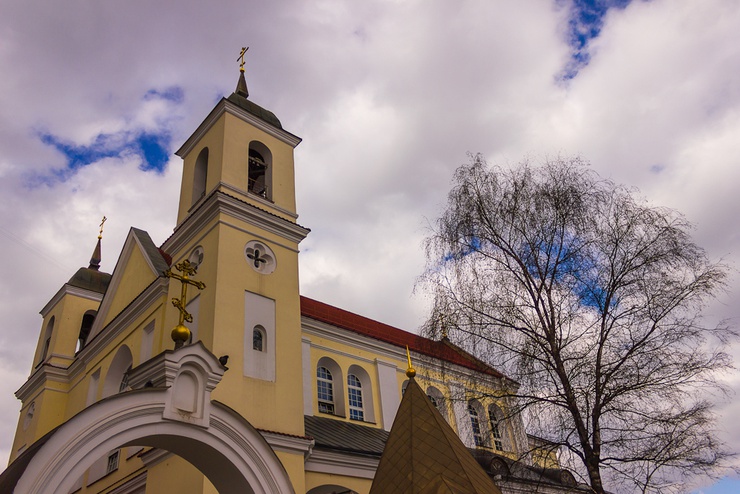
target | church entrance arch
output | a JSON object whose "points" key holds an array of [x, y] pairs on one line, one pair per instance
{"points": [[170, 409], [230, 452]]}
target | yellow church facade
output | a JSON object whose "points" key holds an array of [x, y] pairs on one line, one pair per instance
{"points": [[266, 391]]}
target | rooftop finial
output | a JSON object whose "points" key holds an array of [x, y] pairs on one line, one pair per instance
{"points": [[100, 235], [241, 58], [410, 372], [96, 257], [241, 86]]}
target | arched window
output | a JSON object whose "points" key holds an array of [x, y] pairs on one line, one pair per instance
{"points": [[258, 339], [47, 340], [495, 417], [360, 394], [260, 170], [354, 393], [330, 387], [124, 380], [438, 400], [87, 321], [325, 386], [116, 375], [200, 176], [473, 411]]}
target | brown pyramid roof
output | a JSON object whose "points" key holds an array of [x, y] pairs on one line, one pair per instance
{"points": [[423, 454]]}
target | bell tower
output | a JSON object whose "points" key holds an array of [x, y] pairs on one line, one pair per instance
{"points": [[237, 224]]}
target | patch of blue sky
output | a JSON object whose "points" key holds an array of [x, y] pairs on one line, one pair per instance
{"points": [[471, 245], [151, 147], [585, 23], [725, 485], [174, 94]]}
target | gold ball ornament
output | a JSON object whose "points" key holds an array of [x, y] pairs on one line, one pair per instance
{"points": [[180, 334]]}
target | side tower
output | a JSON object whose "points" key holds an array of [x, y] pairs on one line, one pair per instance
{"points": [[67, 320], [237, 223]]}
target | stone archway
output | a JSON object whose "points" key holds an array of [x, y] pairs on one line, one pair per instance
{"points": [[217, 441]]}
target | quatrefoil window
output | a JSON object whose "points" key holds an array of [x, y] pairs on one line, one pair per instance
{"points": [[260, 257]]}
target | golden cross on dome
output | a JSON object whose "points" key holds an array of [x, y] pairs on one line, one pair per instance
{"points": [[181, 333], [100, 235], [241, 58]]}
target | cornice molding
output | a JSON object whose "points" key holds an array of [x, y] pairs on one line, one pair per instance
{"points": [[226, 106], [336, 463], [221, 203], [287, 443], [68, 289], [35, 384], [258, 199]]}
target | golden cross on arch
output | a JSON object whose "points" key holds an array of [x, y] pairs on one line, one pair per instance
{"points": [[241, 57], [181, 333]]}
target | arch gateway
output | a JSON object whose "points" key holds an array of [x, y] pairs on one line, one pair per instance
{"points": [[176, 415]]}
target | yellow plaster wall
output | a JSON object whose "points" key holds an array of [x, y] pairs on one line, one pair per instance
{"points": [[136, 276], [294, 467], [175, 475], [279, 407]]}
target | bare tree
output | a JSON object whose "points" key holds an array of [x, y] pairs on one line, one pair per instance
{"points": [[592, 300]]}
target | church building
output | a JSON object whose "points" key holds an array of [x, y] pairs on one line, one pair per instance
{"points": [[197, 367]]}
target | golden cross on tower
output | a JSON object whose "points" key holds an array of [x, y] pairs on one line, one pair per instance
{"points": [[181, 333], [100, 235], [241, 57]]}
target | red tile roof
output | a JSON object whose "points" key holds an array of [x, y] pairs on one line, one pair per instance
{"points": [[444, 350]]}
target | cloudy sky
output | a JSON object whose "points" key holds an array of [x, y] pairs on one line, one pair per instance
{"points": [[389, 97]]}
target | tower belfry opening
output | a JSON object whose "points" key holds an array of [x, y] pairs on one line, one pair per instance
{"points": [[257, 174]]}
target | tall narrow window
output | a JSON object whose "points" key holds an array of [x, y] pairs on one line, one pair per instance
{"points": [[260, 170], [87, 321], [257, 174], [497, 443], [200, 176], [47, 340], [325, 386], [475, 423], [495, 419], [258, 339], [354, 393]]}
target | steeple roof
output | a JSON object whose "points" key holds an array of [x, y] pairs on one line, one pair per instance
{"points": [[240, 98], [423, 454], [91, 278]]}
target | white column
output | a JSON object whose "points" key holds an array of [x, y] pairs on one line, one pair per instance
{"points": [[390, 394], [309, 374], [462, 417]]}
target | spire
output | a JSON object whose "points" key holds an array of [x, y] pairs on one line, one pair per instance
{"points": [[241, 86], [424, 455], [96, 256]]}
